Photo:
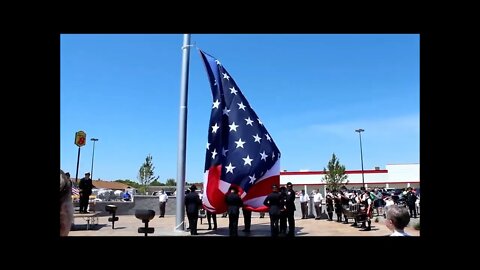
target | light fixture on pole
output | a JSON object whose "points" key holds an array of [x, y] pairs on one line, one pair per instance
{"points": [[361, 153], [93, 155]]}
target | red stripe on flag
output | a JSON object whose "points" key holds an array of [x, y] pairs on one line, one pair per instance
{"points": [[263, 188], [214, 195]]}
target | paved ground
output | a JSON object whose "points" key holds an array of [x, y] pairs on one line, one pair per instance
{"points": [[128, 226]]}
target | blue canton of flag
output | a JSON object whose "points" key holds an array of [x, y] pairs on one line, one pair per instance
{"points": [[240, 152]]}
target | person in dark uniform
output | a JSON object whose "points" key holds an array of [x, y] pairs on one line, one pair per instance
{"points": [[329, 204], [262, 214], [411, 199], [211, 216], [85, 189], [290, 209], [234, 202], [272, 201], [247, 219], [338, 205], [283, 212], [368, 205], [192, 204], [345, 201]]}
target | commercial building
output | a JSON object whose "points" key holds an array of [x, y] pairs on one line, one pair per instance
{"points": [[393, 176]]}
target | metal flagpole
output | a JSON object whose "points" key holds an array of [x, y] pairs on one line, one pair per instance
{"points": [[182, 136]]}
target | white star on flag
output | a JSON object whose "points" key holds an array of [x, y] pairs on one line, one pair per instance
{"points": [[215, 127], [233, 91], [239, 143], [264, 157], [230, 168], [241, 106], [215, 104], [226, 111], [249, 121], [248, 160], [233, 127]]}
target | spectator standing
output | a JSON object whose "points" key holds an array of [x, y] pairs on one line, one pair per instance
{"points": [[317, 201], [304, 198], [66, 206], [397, 219], [162, 198]]}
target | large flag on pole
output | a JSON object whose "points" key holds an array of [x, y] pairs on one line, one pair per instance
{"points": [[240, 151]]}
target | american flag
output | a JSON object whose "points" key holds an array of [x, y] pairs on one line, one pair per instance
{"points": [[75, 190], [240, 151]]}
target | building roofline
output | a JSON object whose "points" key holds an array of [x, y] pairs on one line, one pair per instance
{"points": [[346, 172]]}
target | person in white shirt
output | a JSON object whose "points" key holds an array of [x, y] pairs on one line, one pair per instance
{"points": [[304, 198], [317, 201], [162, 198], [397, 219]]}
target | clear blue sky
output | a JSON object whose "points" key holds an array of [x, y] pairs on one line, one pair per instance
{"points": [[311, 91]]}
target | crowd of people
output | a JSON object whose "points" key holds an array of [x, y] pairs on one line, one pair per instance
{"points": [[359, 206], [281, 207]]}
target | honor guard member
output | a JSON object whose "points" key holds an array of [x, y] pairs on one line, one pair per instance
{"points": [[192, 204], [329, 204], [272, 201], [234, 202], [247, 219], [338, 205], [85, 189], [211, 216], [411, 199], [283, 210], [368, 203], [290, 208], [345, 201]]}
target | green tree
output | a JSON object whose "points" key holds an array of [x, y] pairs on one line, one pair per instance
{"points": [[156, 183], [171, 182], [335, 177], [145, 173], [129, 183]]}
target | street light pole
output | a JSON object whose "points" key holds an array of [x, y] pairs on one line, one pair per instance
{"points": [[361, 153], [93, 155]]}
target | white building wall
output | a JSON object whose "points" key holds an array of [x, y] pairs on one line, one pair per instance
{"points": [[356, 178], [301, 179], [403, 173], [395, 173], [353, 178]]}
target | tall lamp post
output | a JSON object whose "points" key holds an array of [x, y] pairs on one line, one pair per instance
{"points": [[361, 153], [93, 155]]}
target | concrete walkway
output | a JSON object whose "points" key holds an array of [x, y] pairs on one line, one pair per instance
{"points": [[127, 225]]}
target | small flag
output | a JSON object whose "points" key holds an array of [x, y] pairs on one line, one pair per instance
{"points": [[75, 190]]}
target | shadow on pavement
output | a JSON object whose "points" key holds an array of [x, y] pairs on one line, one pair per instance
{"points": [[91, 227]]}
